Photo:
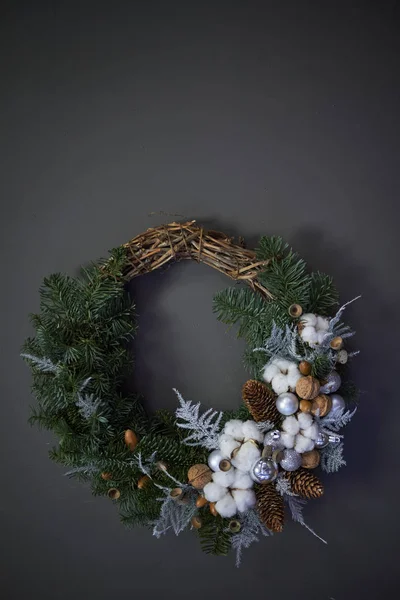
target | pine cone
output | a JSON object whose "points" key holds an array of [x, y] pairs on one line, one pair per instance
{"points": [[260, 400], [270, 507], [305, 484]]}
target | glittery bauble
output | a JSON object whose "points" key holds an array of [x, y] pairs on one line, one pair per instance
{"points": [[273, 438], [291, 460], [322, 440], [342, 356], [264, 471], [287, 403], [331, 384], [338, 402], [214, 459]]}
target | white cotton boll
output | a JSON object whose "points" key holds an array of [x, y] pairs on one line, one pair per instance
{"points": [[234, 428], [311, 432], [244, 499], [251, 431], [280, 384], [287, 440], [243, 481], [246, 456], [282, 364], [214, 492], [309, 320], [321, 336], [303, 444], [304, 420], [227, 444], [224, 478], [292, 378], [226, 507], [291, 425], [269, 372], [309, 335], [322, 324]]}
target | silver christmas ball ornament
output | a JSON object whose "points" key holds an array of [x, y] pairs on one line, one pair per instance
{"points": [[287, 403], [291, 460], [264, 470], [214, 459], [332, 383], [273, 438], [338, 402], [322, 440]]}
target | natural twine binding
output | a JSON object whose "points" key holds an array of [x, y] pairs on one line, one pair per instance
{"points": [[158, 246]]}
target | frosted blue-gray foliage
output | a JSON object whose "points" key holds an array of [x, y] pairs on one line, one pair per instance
{"points": [[335, 420], [296, 506], [44, 364], [174, 515], [89, 469], [332, 458], [88, 405], [264, 426], [250, 530], [204, 428]]}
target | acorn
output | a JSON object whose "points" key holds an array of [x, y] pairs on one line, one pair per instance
{"points": [[305, 406], [225, 465], [176, 493], [143, 481], [307, 388], [114, 494], [295, 311], [336, 343], [311, 459], [196, 522], [106, 476], [199, 476], [213, 510], [322, 403], [305, 367], [131, 439], [201, 501]]}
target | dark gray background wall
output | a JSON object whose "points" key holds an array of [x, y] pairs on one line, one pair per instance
{"points": [[252, 117]]}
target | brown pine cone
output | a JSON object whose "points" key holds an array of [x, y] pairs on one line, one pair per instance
{"points": [[260, 400], [305, 484], [270, 507]]}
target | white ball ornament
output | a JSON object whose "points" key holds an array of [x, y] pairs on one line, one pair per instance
{"points": [[287, 403], [332, 383], [273, 438], [214, 458], [338, 403]]}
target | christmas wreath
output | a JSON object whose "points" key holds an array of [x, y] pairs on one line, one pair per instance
{"points": [[226, 475]]}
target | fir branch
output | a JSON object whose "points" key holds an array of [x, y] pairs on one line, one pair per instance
{"points": [[332, 458], [323, 294], [296, 506], [251, 528], [87, 405], [270, 247], [204, 428]]}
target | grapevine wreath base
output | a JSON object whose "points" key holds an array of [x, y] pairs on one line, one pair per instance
{"points": [[227, 475]]}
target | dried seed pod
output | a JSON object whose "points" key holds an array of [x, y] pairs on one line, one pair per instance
{"points": [[213, 510], [196, 522], [336, 343], [131, 439], [106, 476], [201, 501], [143, 481], [295, 311], [162, 466], [305, 406], [114, 494]]}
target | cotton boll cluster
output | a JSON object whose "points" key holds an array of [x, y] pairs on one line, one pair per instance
{"points": [[282, 375], [232, 490], [299, 432], [314, 329]]}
